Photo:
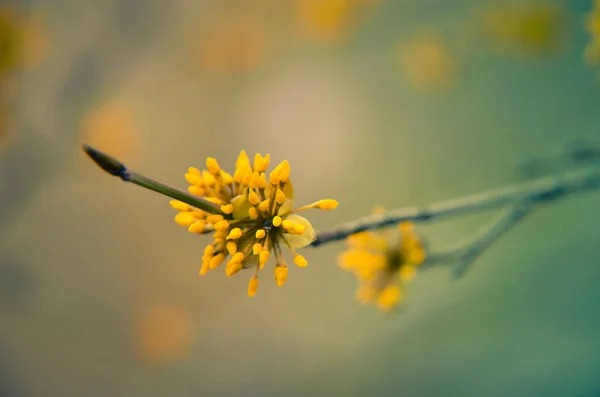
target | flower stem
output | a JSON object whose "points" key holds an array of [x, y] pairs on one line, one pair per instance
{"points": [[536, 191], [116, 168], [465, 255]]}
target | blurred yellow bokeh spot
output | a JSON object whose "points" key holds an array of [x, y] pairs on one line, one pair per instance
{"points": [[427, 63], [534, 29], [111, 129], [163, 333], [10, 40], [231, 43], [592, 26], [23, 42], [331, 20]]}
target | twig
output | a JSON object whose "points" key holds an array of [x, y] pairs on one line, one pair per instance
{"points": [[536, 191], [466, 256], [116, 168], [575, 155]]}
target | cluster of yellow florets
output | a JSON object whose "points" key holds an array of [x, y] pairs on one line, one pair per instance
{"points": [[592, 25], [383, 262], [257, 217]]}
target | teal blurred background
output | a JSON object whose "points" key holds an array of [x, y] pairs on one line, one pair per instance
{"points": [[99, 292]]}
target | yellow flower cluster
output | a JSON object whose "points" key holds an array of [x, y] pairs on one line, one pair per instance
{"points": [[383, 262], [592, 25], [258, 217]]}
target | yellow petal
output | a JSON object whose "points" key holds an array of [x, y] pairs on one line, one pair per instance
{"points": [[214, 218], [209, 249], [241, 206], [194, 179], [234, 234], [242, 159], [327, 204], [389, 297], [300, 261], [288, 191], [209, 179], [279, 196], [263, 257], [195, 171], [368, 241], [253, 198], [365, 271], [185, 219], [407, 273], [304, 239], [231, 247], [196, 191], [221, 226], [264, 205], [213, 166], [253, 213], [281, 274], [261, 163], [216, 261], [226, 177], [252, 286], [355, 259], [416, 256], [179, 206], [238, 257], [197, 227], [284, 173], [227, 209], [232, 268]]}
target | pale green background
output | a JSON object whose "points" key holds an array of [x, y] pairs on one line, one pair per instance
{"points": [[83, 249]]}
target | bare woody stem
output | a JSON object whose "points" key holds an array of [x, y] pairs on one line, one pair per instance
{"points": [[116, 168], [536, 191], [465, 255]]}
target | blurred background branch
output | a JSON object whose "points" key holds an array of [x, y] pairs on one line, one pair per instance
{"points": [[536, 191]]}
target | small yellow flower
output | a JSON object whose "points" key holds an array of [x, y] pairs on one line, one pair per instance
{"points": [[259, 218], [383, 262]]}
